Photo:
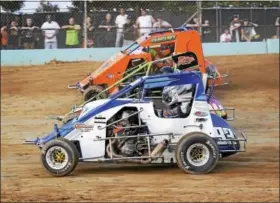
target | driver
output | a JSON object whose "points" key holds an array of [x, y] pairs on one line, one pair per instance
{"points": [[177, 100]]}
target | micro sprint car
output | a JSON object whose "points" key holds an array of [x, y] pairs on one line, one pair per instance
{"points": [[164, 43], [180, 62], [178, 128]]}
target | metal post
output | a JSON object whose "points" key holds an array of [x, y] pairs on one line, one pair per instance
{"points": [[85, 24], [199, 16], [217, 23]]}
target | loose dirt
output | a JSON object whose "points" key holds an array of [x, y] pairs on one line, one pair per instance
{"points": [[30, 94]]}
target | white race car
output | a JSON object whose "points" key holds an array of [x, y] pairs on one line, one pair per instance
{"points": [[137, 130]]}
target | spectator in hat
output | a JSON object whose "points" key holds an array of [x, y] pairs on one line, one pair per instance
{"points": [[121, 21], [144, 23], [235, 29], [50, 30], [160, 24], [72, 34]]}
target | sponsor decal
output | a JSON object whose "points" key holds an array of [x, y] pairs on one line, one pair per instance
{"points": [[110, 76], [83, 127], [163, 39]]}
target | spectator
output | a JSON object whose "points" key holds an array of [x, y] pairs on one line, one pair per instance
{"points": [[28, 34], [144, 23], [109, 36], [121, 21], [246, 32], [235, 29], [194, 24], [13, 35], [206, 32], [226, 36], [90, 34], [72, 34], [4, 37], [160, 24], [50, 29]]}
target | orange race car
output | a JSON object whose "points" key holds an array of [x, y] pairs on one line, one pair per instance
{"points": [[160, 44]]}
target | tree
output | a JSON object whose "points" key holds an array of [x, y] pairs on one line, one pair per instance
{"points": [[11, 6], [46, 6]]}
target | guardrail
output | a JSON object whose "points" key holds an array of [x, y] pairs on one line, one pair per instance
{"points": [[40, 57]]}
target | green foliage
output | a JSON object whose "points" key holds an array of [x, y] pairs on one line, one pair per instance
{"points": [[238, 3], [11, 6], [47, 7]]}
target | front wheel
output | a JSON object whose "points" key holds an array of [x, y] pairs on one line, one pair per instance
{"points": [[94, 91], [197, 153], [59, 157]]}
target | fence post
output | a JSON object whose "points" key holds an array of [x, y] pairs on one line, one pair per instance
{"points": [[217, 22], [85, 24], [199, 16]]}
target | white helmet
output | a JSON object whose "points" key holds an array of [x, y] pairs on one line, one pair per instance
{"points": [[177, 94]]}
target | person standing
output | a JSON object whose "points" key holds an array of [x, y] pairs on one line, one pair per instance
{"points": [[72, 34], [235, 29], [13, 35], [50, 29], [90, 34], [108, 25], [160, 24], [28, 34], [144, 23], [121, 21], [4, 37]]}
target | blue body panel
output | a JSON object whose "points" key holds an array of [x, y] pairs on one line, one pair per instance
{"points": [[219, 122]]}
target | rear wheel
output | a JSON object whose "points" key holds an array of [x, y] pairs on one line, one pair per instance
{"points": [[93, 91], [59, 157], [197, 153]]}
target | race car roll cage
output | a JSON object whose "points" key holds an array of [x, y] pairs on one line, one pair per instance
{"points": [[145, 83]]}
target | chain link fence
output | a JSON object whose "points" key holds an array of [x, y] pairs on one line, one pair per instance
{"points": [[99, 24]]}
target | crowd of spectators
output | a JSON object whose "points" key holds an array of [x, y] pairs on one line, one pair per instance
{"points": [[243, 31], [112, 32]]}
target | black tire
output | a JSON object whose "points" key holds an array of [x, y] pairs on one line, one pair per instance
{"points": [[72, 153], [188, 141], [94, 90]]}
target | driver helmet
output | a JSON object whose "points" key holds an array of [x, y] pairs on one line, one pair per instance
{"points": [[176, 94], [166, 50]]}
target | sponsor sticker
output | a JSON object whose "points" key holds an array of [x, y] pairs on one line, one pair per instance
{"points": [[83, 127], [163, 39]]}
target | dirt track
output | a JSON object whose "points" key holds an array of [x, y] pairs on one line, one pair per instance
{"points": [[30, 94]]}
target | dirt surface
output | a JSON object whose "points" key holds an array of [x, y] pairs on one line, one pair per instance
{"points": [[30, 94]]}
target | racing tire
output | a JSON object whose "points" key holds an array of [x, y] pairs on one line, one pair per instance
{"points": [[57, 149], [94, 90], [197, 153]]}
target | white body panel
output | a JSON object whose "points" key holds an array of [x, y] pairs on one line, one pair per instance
{"points": [[94, 150]]}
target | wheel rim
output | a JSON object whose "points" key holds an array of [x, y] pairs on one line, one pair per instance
{"points": [[198, 154], [57, 157]]}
